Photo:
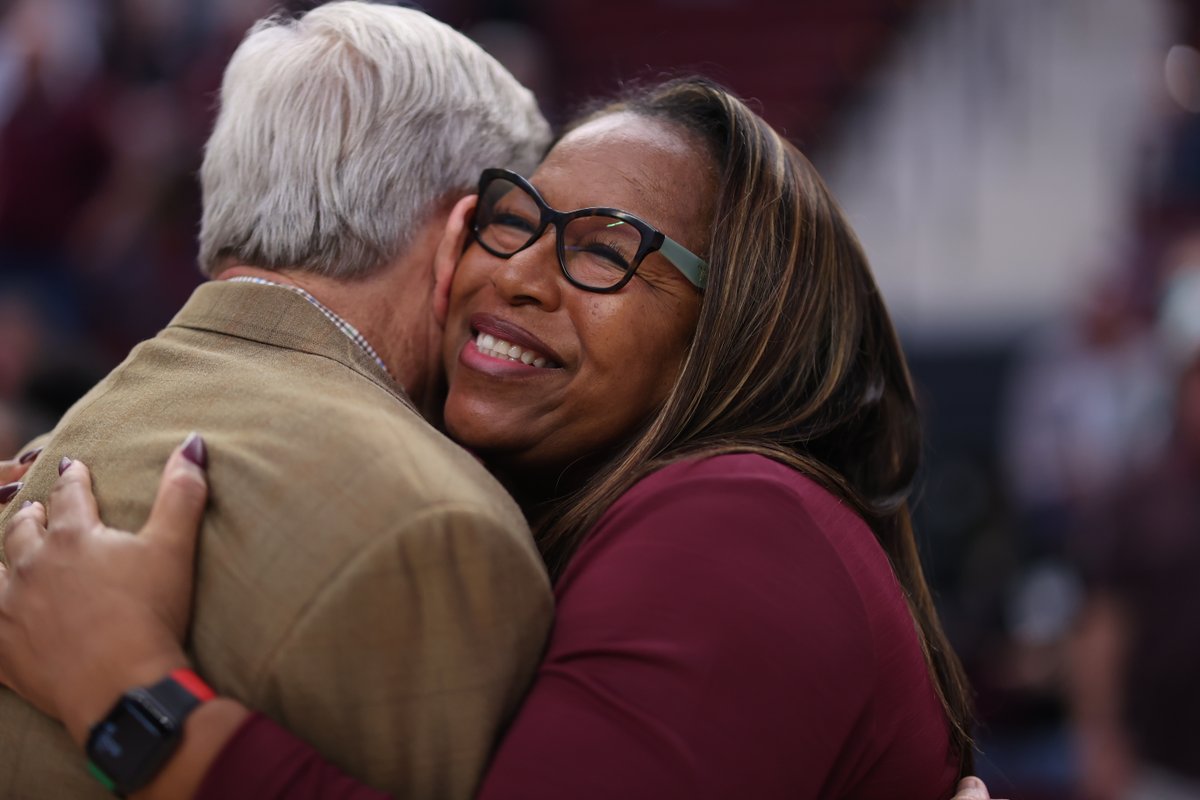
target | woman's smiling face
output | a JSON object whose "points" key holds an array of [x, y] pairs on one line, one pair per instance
{"points": [[589, 368]]}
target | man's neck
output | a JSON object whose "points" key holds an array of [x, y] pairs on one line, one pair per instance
{"points": [[362, 303], [376, 306], [392, 308]]}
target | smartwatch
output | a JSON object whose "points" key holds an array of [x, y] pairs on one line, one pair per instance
{"points": [[131, 744]]}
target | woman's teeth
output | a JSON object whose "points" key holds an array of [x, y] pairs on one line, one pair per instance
{"points": [[498, 348]]}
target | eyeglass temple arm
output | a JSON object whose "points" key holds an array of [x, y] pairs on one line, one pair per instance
{"points": [[693, 267]]}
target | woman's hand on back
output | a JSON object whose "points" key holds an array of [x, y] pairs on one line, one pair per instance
{"points": [[87, 611]]}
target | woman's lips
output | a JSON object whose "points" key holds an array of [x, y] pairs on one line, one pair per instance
{"points": [[487, 362], [502, 340], [499, 349]]}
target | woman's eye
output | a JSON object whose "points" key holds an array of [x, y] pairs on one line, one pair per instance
{"points": [[509, 220], [611, 254], [602, 254]]}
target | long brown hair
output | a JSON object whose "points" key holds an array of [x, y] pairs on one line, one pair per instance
{"points": [[794, 358]]}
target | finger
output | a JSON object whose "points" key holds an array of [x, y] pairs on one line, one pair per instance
{"points": [[8, 491], [25, 531], [72, 502], [15, 469], [182, 494], [971, 788]]}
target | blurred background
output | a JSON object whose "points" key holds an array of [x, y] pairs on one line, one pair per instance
{"points": [[1025, 177]]}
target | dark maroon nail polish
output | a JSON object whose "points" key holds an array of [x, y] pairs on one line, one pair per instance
{"points": [[9, 490], [26, 504], [30, 456], [195, 451], [62, 465]]}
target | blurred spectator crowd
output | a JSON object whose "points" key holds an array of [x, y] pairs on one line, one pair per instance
{"points": [[104, 108], [1089, 680]]}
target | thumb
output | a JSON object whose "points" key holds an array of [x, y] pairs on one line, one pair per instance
{"points": [[182, 495]]}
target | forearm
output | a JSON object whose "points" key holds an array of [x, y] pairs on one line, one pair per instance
{"points": [[265, 762], [205, 733], [228, 753]]}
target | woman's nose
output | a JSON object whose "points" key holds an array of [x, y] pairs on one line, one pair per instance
{"points": [[532, 276]]}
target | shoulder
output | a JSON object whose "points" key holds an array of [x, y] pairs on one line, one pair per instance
{"points": [[744, 537], [743, 583], [740, 505], [765, 582], [733, 476], [708, 529], [334, 424]]}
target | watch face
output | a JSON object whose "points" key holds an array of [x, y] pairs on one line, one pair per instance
{"points": [[131, 743]]}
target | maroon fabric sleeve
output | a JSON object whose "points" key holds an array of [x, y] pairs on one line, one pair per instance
{"points": [[263, 761], [728, 630]]}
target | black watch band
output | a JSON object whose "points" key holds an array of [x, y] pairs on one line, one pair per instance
{"points": [[131, 744]]}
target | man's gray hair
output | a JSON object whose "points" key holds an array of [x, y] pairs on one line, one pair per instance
{"points": [[340, 133]]}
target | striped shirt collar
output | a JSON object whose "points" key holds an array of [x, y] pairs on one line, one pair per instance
{"points": [[341, 324]]}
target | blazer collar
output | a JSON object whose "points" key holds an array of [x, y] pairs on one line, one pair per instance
{"points": [[278, 317]]}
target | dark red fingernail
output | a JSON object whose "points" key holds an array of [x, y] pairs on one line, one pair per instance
{"points": [[30, 456], [195, 451], [26, 504], [62, 465], [9, 490]]}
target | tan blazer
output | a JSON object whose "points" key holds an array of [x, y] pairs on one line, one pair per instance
{"points": [[361, 579]]}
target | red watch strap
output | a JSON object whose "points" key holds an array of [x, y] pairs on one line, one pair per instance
{"points": [[193, 683]]}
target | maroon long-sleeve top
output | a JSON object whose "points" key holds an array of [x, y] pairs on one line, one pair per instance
{"points": [[728, 630]]}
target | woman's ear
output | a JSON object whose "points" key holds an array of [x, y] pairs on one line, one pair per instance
{"points": [[450, 248]]}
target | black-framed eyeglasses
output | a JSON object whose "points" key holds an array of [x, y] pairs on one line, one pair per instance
{"points": [[599, 249]]}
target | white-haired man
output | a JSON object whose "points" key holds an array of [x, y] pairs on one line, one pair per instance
{"points": [[361, 579]]}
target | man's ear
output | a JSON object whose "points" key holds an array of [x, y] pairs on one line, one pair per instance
{"points": [[449, 249]]}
